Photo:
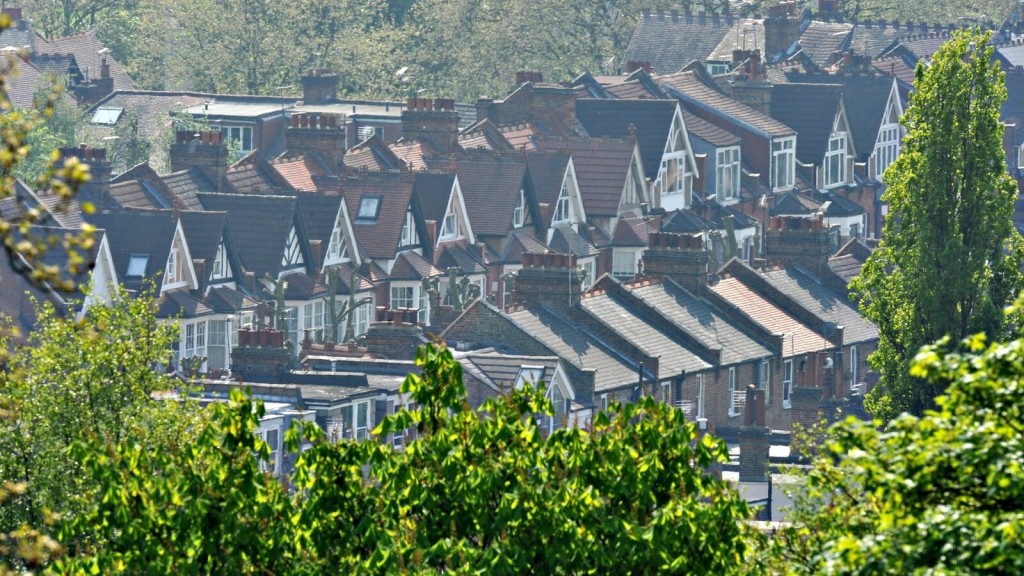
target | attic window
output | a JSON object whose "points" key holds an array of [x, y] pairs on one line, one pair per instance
{"points": [[107, 116], [369, 208], [529, 374], [137, 265]]}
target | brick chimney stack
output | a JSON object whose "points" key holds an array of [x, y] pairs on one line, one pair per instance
{"points": [[97, 189], [394, 335], [319, 135], [680, 257], [793, 240], [755, 439], [203, 150], [549, 278], [532, 101], [320, 85], [781, 28], [435, 121]]}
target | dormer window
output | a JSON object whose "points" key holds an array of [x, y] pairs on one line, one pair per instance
{"points": [[137, 265], [369, 208], [220, 264], [1020, 157], [783, 163], [727, 174], [337, 248], [450, 228], [519, 214], [409, 236], [835, 160], [562, 206]]}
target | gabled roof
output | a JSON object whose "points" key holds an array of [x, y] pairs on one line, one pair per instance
{"points": [[670, 41], [502, 370], [224, 300], [181, 304], [821, 40], [811, 110], [636, 86], [871, 39], [186, 185], [259, 227], [634, 231], [484, 134], [303, 287], [696, 93], [490, 186], [547, 172], [137, 194], [319, 212], [456, 255], [650, 120], [848, 260], [147, 235], [602, 169], [1012, 56], [411, 266], [685, 222], [865, 98], [522, 243], [204, 232], [434, 193], [373, 155], [378, 238], [57, 211], [59, 65], [88, 51], [800, 338], [708, 132], [810, 293], [413, 153], [522, 136], [565, 240], [254, 175], [299, 172]]}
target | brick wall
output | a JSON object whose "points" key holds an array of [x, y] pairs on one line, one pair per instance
{"points": [[207, 152], [319, 134], [319, 85], [552, 279], [432, 120], [800, 241], [395, 340], [681, 257], [98, 186]]}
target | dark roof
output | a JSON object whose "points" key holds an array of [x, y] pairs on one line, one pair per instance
{"points": [[685, 222], [490, 186], [143, 233], [846, 266], [522, 243], [810, 293], [670, 41], [632, 231], [348, 282], [871, 39], [697, 93], [372, 154], [457, 256], [547, 172], [224, 300], [433, 192], [650, 120], [810, 109], [1013, 107], [708, 132], [820, 40], [181, 304], [378, 238], [484, 134], [602, 168], [801, 338], [923, 45], [185, 186], [203, 232], [59, 65], [411, 266], [302, 286], [319, 212], [137, 194], [716, 214], [259, 227], [1013, 56], [795, 203], [87, 50], [565, 240], [254, 175], [865, 98]]}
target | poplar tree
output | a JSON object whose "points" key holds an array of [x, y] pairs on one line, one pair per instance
{"points": [[950, 256]]}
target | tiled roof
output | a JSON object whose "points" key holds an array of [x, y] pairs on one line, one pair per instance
{"points": [[577, 348], [299, 172], [372, 154], [21, 85], [148, 233], [522, 136], [547, 172], [59, 65], [412, 266], [616, 313], [181, 304], [87, 50], [253, 175], [19, 35], [810, 109], [486, 135], [923, 45], [871, 39], [685, 222], [185, 186], [565, 240], [800, 339], [1012, 55], [865, 98], [632, 231], [703, 96], [302, 286], [224, 300], [503, 369], [811, 294], [708, 132], [670, 42], [846, 267], [703, 321], [455, 255], [259, 227], [897, 67], [744, 35], [490, 186], [820, 40], [136, 194], [378, 238], [795, 203], [716, 214], [522, 243], [318, 212], [602, 168], [203, 232], [348, 281], [633, 90], [60, 212], [413, 152], [433, 192], [651, 120]]}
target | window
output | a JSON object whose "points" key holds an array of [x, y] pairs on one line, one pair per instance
{"points": [[835, 160], [783, 161], [700, 395], [107, 116], [787, 384], [219, 352], [409, 236], [274, 444], [220, 264], [666, 395], [887, 148], [175, 267], [195, 340], [588, 273], [604, 402], [764, 382], [854, 365], [423, 316], [240, 134], [562, 206], [313, 319], [361, 319], [337, 248], [727, 174], [854, 230], [624, 265], [366, 132], [293, 251], [676, 176], [369, 208], [291, 316], [137, 265], [717, 69], [450, 227], [402, 297], [362, 422], [519, 214], [1020, 157], [733, 394], [559, 403]]}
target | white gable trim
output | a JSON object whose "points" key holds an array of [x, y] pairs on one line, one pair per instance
{"points": [[577, 195], [342, 220], [286, 263], [456, 200], [102, 279], [190, 272]]}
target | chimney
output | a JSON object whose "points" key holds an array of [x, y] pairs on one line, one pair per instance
{"points": [[319, 135], [828, 7], [751, 87], [755, 439], [435, 121], [554, 106], [680, 257], [781, 29], [549, 278], [97, 189], [203, 150], [261, 356], [396, 339], [792, 240], [807, 393], [320, 85], [524, 76]]}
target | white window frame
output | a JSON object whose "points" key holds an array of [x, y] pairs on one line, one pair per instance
{"points": [[361, 318], [173, 271], [835, 160], [240, 134], [218, 336], [561, 213], [727, 174], [765, 380], [450, 227], [587, 267], [137, 264], [787, 383], [337, 248], [1020, 157], [519, 214], [194, 339], [700, 396], [624, 265], [733, 411], [403, 297], [409, 236], [717, 69], [783, 163], [220, 263], [887, 148], [854, 365]]}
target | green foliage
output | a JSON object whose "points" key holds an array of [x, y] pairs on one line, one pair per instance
{"points": [[338, 312], [936, 494], [129, 148], [950, 259]]}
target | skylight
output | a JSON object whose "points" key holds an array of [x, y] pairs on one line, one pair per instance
{"points": [[529, 375], [369, 207], [137, 265], [107, 116]]}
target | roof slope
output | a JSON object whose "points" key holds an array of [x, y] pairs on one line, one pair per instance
{"points": [[89, 53], [800, 339], [810, 293], [148, 233], [433, 192], [708, 98], [602, 168], [259, 227], [865, 98], [490, 186], [810, 109], [378, 238], [650, 120], [670, 41]]}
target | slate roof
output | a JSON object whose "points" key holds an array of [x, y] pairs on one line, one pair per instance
{"points": [[923, 45], [224, 300], [522, 243], [372, 154], [522, 136], [57, 211], [137, 194], [708, 132], [865, 98], [716, 214], [86, 47], [1013, 106], [465, 260], [19, 35], [846, 266], [318, 212], [254, 175], [602, 168], [670, 42], [616, 313], [800, 339], [1013, 56], [824, 303], [413, 152], [502, 370], [810, 109], [565, 240], [820, 40], [433, 192], [871, 39], [698, 318], [186, 185], [577, 348], [685, 222], [547, 172], [486, 135], [701, 95], [299, 172], [203, 232], [60, 65], [745, 34], [633, 231], [181, 304], [360, 283], [379, 238], [651, 120], [898, 68], [411, 266], [259, 227], [490, 186], [149, 233], [303, 287]]}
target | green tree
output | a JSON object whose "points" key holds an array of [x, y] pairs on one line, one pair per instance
{"points": [[936, 494], [950, 257]]}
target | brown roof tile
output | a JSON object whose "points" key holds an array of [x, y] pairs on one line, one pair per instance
{"points": [[602, 168], [378, 238], [800, 339], [700, 94], [299, 172]]}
